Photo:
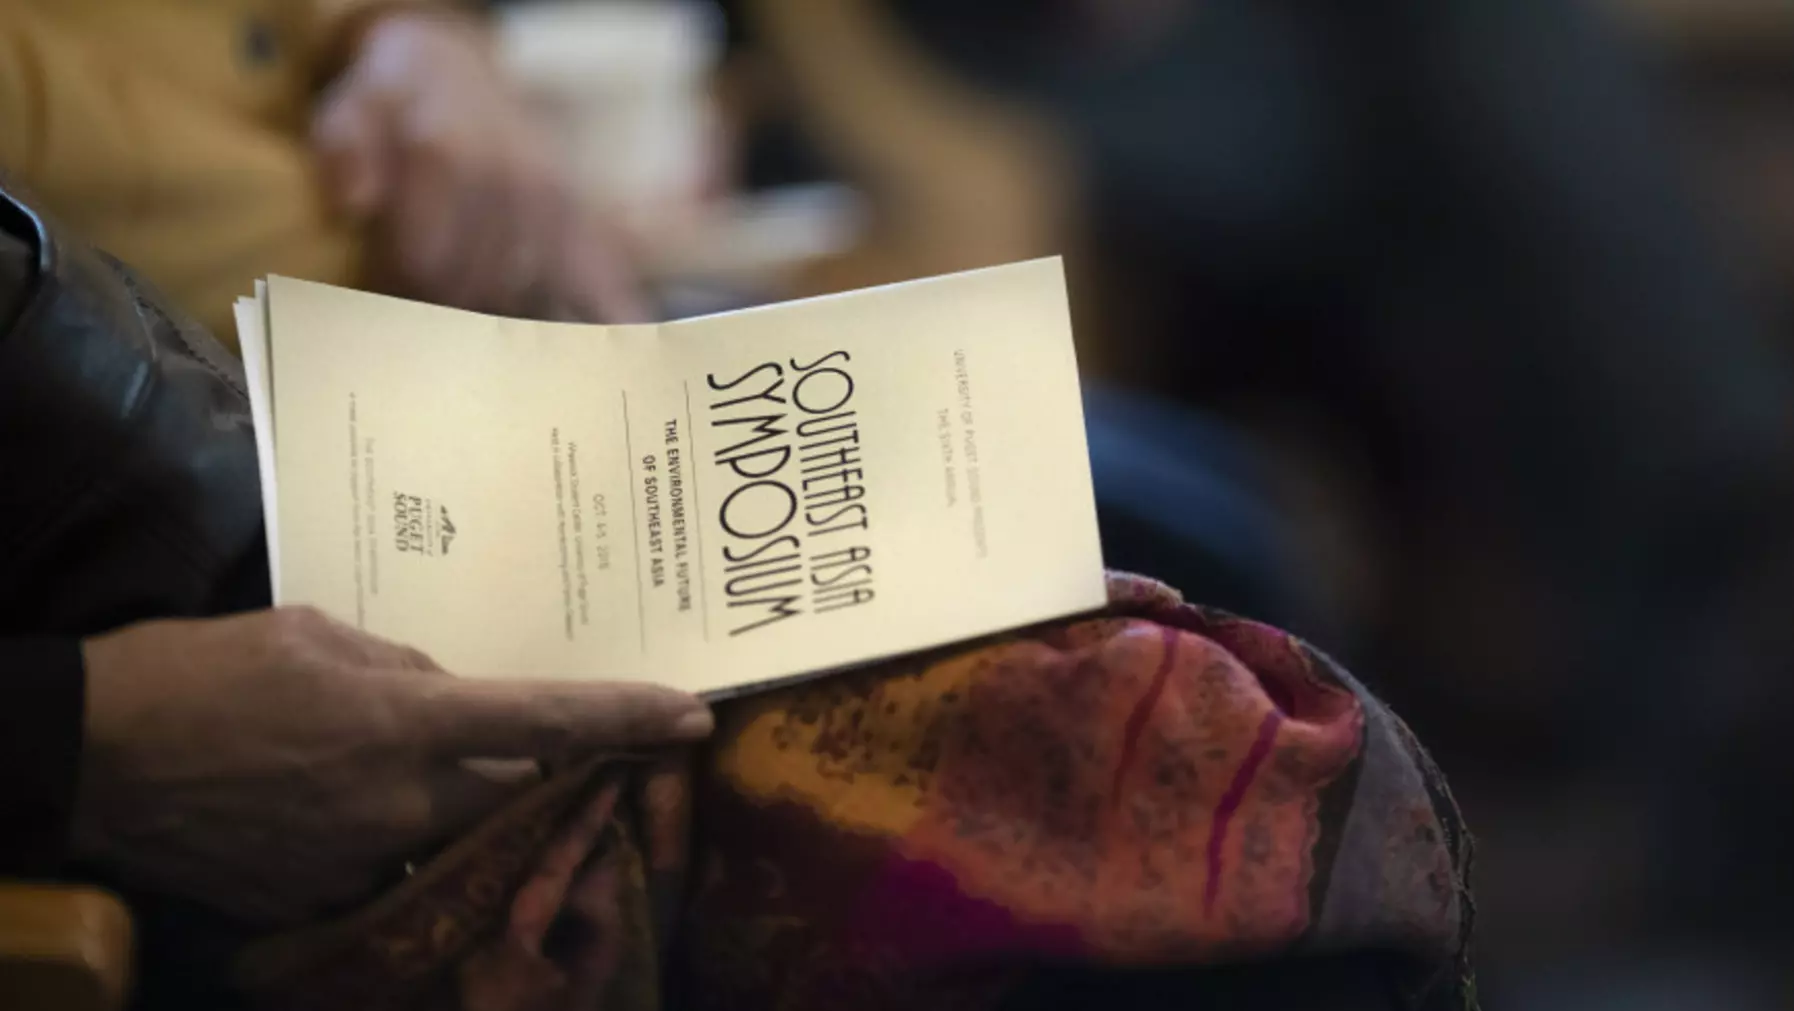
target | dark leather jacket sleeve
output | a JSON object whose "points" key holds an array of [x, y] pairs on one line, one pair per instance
{"points": [[42, 688], [42, 692], [128, 491], [131, 488]]}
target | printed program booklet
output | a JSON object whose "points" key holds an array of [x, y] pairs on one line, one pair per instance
{"points": [[714, 504]]}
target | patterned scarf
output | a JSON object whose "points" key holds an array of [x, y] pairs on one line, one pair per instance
{"points": [[1160, 801]]}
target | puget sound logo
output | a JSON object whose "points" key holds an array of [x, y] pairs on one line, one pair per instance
{"points": [[421, 526]]}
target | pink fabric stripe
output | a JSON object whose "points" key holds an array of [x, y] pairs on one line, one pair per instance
{"points": [[1136, 720], [1231, 801]]}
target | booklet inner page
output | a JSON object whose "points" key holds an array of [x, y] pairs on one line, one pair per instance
{"points": [[710, 504]]}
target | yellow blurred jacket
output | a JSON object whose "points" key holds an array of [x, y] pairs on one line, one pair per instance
{"points": [[172, 134]]}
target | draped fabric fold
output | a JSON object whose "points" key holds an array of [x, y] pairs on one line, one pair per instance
{"points": [[1160, 789]]}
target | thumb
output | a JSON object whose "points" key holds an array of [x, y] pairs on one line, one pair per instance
{"points": [[467, 718], [352, 153]]}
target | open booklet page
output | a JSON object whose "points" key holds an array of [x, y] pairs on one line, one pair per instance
{"points": [[711, 504], [252, 337]]}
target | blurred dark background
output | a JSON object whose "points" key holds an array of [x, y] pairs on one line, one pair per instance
{"points": [[1452, 335]]}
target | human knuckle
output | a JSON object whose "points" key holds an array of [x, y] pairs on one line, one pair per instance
{"points": [[388, 719], [554, 728], [381, 83], [303, 615], [544, 178], [296, 627], [421, 135], [449, 145], [625, 714], [437, 145]]}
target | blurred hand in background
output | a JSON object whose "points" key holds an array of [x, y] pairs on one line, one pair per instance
{"points": [[467, 200]]}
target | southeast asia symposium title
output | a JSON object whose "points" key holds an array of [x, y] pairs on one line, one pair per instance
{"points": [[795, 519]]}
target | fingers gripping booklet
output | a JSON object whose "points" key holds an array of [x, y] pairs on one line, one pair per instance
{"points": [[713, 504]]}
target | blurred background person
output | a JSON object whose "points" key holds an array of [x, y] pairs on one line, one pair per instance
{"points": [[360, 142]]}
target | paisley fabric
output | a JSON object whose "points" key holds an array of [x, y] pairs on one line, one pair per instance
{"points": [[1157, 787]]}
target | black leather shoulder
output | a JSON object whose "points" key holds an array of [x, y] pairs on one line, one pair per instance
{"points": [[128, 482]]}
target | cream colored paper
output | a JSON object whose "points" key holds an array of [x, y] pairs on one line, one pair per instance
{"points": [[251, 316], [711, 504]]}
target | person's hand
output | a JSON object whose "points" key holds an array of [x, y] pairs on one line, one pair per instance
{"points": [[468, 203], [277, 765]]}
